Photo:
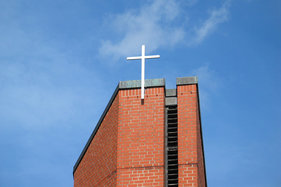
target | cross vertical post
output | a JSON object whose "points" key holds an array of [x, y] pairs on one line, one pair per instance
{"points": [[142, 70], [142, 58]]}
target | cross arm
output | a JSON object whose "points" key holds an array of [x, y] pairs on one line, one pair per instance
{"points": [[134, 58], [153, 56]]}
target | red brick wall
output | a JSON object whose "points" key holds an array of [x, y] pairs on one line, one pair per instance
{"points": [[191, 163], [98, 166], [128, 149], [140, 156]]}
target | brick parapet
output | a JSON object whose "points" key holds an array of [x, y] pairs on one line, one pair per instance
{"points": [[141, 137], [190, 146]]}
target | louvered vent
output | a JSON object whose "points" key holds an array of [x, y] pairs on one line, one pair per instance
{"points": [[171, 139]]}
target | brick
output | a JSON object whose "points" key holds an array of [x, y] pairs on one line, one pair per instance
{"points": [[190, 150], [128, 148]]}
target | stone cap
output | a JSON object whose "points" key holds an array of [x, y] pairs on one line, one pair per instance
{"points": [[187, 80], [171, 101], [171, 92], [137, 83]]}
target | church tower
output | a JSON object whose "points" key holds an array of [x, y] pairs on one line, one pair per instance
{"points": [[155, 141]]}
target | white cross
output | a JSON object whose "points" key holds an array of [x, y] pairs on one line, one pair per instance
{"points": [[142, 57]]}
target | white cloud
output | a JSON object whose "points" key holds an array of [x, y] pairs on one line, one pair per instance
{"points": [[217, 16], [151, 25], [159, 24]]}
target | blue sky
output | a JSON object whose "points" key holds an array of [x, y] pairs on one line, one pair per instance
{"points": [[60, 62]]}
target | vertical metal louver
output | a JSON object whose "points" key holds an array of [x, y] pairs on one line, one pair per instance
{"points": [[171, 143]]}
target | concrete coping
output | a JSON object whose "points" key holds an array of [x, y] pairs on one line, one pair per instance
{"points": [[171, 92], [137, 83], [187, 80], [171, 101]]}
